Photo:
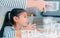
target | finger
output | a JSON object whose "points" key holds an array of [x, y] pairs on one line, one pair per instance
{"points": [[33, 29], [39, 8], [44, 9], [49, 4], [29, 24], [33, 25]]}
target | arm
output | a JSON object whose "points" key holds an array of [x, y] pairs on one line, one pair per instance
{"points": [[40, 6]]}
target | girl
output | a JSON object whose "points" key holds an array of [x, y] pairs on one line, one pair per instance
{"points": [[13, 22]]}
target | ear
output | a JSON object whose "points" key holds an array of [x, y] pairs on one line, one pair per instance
{"points": [[15, 19]]}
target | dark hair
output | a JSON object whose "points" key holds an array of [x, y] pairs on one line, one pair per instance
{"points": [[8, 21]]}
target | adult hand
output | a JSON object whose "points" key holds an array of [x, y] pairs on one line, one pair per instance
{"points": [[39, 4]]}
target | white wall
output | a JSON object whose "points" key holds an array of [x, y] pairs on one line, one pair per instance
{"points": [[3, 10]]}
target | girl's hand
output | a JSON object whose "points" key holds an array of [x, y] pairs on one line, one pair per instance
{"points": [[39, 4], [30, 27]]}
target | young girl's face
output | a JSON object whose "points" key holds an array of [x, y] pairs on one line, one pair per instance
{"points": [[22, 19]]}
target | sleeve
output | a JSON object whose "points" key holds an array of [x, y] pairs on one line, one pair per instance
{"points": [[13, 3], [7, 33]]}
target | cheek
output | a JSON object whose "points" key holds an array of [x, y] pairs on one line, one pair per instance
{"points": [[23, 20]]}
